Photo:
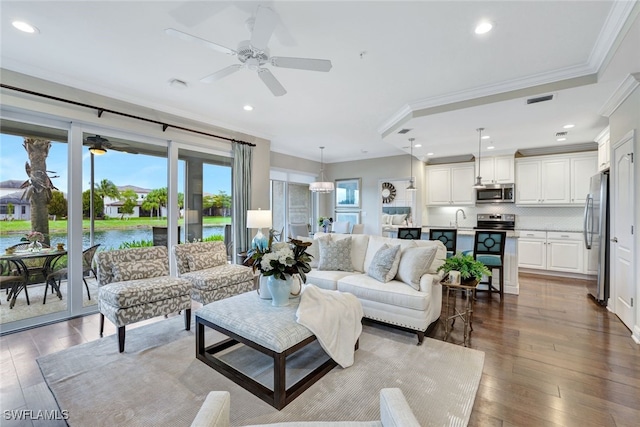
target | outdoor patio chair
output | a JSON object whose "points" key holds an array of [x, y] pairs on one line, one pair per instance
{"points": [[34, 267], [62, 273], [8, 278]]}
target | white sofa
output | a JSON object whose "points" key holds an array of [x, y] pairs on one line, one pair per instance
{"points": [[394, 411], [395, 302]]}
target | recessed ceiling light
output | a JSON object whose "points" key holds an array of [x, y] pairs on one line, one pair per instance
{"points": [[491, 147], [569, 126], [430, 154], [483, 27], [561, 139], [418, 145], [486, 137], [248, 108], [25, 27]]}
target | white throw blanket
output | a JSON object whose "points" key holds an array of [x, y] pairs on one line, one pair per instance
{"points": [[335, 318]]}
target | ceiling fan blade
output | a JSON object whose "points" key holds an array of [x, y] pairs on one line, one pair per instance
{"points": [[272, 83], [265, 22], [206, 43], [302, 63], [221, 73]]}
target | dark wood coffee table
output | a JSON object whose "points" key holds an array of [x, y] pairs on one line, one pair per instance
{"points": [[254, 322]]}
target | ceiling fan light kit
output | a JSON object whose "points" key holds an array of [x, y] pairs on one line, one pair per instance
{"points": [[321, 186], [98, 145], [254, 54]]}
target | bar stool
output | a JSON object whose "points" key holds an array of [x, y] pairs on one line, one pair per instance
{"points": [[488, 248], [410, 233], [448, 236]]}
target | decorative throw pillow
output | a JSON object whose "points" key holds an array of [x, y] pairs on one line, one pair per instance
{"points": [[415, 262], [385, 263], [313, 250], [399, 219], [202, 260], [386, 219], [335, 255], [139, 270]]}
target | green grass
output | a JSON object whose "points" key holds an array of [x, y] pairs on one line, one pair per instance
{"points": [[60, 226]]}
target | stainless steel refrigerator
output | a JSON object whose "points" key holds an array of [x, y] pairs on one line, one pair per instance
{"points": [[596, 235]]}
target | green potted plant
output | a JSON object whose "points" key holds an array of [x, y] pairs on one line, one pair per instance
{"points": [[468, 267]]}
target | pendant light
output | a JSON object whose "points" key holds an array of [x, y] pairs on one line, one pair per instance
{"points": [[321, 186], [479, 183], [411, 186]]}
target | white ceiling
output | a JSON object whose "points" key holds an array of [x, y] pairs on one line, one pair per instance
{"points": [[392, 60]]}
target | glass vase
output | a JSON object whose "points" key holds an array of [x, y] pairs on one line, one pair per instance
{"points": [[35, 246]]}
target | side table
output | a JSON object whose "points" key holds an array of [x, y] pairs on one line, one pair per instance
{"points": [[464, 313]]}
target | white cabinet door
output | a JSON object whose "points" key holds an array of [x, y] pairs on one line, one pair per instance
{"points": [[504, 172], [462, 191], [555, 181], [487, 170], [532, 253], [565, 252], [439, 186], [582, 169], [528, 183]]}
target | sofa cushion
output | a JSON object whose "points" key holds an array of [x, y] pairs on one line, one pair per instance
{"points": [[326, 279], [376, 242], [335, 255], [386, 219], [384, 265], [133, 270], [414, 262], [202, 260], [441, 254], [393, 293], [359, 243], [131, 293], [219, 276]]}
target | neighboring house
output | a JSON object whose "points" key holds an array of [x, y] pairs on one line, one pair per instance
{"points": [[10, 193], [113, 207]]}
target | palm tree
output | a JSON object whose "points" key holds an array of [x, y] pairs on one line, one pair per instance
{"points": [[38, 188], [107, 188]]}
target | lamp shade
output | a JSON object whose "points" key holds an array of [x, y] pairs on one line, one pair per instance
{"points": [[258, 218], [98, 150]]}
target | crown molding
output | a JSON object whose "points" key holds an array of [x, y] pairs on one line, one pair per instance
{"points": [[613, 25], [401, 116], [623, 91]]}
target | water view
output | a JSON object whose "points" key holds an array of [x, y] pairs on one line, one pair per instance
{"points": [[109, 239]]}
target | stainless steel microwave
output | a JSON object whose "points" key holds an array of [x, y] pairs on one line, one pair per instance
{"points": [[496, 193]]}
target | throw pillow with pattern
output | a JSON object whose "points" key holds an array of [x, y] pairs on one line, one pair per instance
{"points": [[134, 270], [415, 262], [202, 260], [384, 264], [335, 255]]}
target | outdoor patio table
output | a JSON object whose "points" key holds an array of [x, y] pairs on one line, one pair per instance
{"points": [[18, 258]]}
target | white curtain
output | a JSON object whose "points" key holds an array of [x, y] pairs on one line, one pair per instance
{"points": [[242, 157]]}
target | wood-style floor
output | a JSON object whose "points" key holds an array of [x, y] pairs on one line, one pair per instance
{"points": [[552, 358]]}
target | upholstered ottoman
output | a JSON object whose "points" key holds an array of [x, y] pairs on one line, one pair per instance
{"points": [[273, 331], [204, 264]]}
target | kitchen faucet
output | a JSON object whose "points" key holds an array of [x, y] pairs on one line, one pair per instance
{"points": [[463, 216]]}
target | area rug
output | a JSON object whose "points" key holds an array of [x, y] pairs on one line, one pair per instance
{"points": [[159, 382]]}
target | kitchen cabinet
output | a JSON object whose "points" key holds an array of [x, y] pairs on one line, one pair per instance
{"points": [[450, 184], [582, 169], [497, 170], [603, 150], [552, 250], [560, 180], [532, 250]]}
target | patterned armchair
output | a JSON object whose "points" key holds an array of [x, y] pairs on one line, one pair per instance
{"points": [[204, 265], [134, 284]]}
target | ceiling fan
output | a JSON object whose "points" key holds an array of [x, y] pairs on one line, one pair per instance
{"points": [[254, 54], [99, 145]]}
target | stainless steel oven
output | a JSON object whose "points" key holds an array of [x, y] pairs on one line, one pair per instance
{"points": [[496, 193], [496, 222]]}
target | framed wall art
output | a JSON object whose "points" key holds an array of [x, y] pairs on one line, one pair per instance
{"points": [[352, 217], [348, 193]]}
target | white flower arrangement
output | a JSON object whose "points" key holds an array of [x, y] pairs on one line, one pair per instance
{"points": [[277, 260]]}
